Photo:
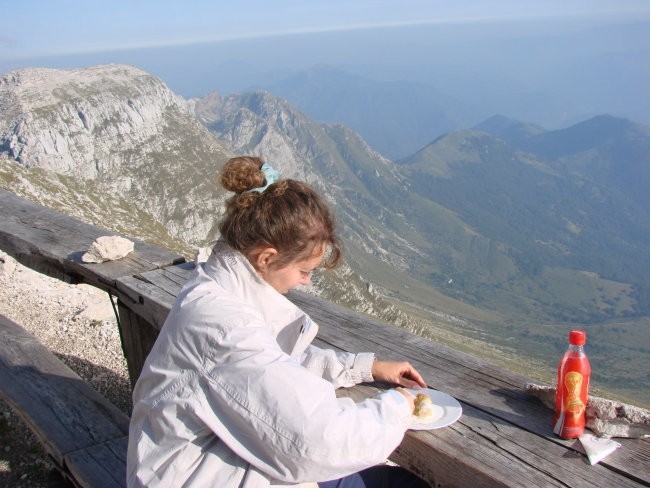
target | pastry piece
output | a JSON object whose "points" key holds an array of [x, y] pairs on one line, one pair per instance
{"points": [[423, 407]]}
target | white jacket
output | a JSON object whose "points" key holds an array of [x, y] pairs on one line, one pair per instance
{"points": [[233, 395]]}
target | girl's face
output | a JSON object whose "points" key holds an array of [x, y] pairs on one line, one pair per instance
{"points": [[286, 278]]}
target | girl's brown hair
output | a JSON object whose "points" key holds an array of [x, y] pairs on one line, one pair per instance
{"points": [[288, 216]]}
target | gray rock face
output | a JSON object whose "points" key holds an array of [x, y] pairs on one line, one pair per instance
{"points": [[121, 129], [263, 125], [113, 146], [78, 122], [325, 156], [122, 136], [331, 157]]}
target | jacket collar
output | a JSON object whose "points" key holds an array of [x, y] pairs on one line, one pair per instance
{"points": [[233, 271]]}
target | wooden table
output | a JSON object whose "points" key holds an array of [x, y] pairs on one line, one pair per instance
{"points": [[502, 439], [504, 436]]}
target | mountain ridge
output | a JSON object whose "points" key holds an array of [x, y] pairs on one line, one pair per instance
{"points": [[393, 116]]}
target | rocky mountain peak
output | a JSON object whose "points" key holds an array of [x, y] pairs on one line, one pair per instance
{"points": [[119, 133], [261, 124], [71, 121], [470, 225]]}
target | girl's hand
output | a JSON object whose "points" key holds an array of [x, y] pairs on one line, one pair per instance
{"points": [[398, 372]]}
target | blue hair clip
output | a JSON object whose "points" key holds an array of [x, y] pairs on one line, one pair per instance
{"points": [[270, 176]]}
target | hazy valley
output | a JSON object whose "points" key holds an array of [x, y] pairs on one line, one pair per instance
{"points": [[495, 238]]}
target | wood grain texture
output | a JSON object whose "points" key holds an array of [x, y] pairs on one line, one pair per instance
{"points": [[64, 412], [52, 243], [495, 405], [99, 466], [138, 337]]}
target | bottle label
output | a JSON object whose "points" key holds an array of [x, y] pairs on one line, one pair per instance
{"points": [[573, 404]]}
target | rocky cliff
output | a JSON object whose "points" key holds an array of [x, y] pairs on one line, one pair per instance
{"points": [[71, 122], [119, 133], [458, 242], [331, 157]]}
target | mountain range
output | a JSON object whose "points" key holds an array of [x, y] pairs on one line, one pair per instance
{"points": [[394, 117], [495, 239]]}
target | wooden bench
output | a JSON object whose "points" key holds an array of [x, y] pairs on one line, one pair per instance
{"points": [[52, 243], [85, 435]]}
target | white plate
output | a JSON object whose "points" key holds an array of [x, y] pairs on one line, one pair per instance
{"points": [[446, 410]]}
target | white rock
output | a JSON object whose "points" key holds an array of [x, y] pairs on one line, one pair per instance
{"points": [[107, 248]]}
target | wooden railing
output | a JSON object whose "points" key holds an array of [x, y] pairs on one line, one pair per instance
{"points": [[502, 439]]}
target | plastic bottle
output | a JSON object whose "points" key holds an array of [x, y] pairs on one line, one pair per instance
{"points": [[573, 373]]}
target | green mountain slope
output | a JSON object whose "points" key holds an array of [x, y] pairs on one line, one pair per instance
{"points": [[541, 219]]}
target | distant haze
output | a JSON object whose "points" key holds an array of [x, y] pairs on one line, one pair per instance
{"points": [[551, 72]]}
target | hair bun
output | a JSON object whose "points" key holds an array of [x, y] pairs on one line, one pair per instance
{"points": [[242, 174]]}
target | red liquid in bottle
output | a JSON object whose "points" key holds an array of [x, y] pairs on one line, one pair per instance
{"points": [[573, 373]]}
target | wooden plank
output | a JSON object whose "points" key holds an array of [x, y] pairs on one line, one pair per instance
{"points": [[467, 451], [53, 243], [138, 337], [503, 439], [99, 466], [482, 387], [171, 279], [143, 309], [63, 411], [145, 299], [446, 458]]}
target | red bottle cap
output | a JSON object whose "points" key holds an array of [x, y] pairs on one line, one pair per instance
{"points": [[577, 337]]}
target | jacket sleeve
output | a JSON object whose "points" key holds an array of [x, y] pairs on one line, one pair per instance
{"points": [[342, 369], [286, 421]]}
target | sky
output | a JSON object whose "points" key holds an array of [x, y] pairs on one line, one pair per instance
{"points": [[36, 28], [549, 62]]}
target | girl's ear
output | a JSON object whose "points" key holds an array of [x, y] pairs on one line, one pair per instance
{"points": [[263, 258]]}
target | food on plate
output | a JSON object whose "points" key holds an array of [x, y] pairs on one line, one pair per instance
{"points": [[423, 407]]}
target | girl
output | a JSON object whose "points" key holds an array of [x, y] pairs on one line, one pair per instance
{"points": [[232, 393]]}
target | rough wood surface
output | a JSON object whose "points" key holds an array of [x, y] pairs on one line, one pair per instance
{"points": [[64, 412], [495, 406], [53, 243], [138, 337], [99, 466]]}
